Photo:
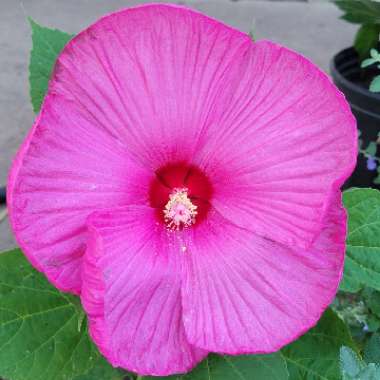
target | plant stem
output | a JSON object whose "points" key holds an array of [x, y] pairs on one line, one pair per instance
{"points": [[139, 377]]}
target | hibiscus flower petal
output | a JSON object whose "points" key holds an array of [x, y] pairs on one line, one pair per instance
{"points": [[150, 75], [283, 146], [64, 171], [131, 293], [247, 294], [131, 90]]}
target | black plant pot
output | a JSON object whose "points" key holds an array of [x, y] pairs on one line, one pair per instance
{"points": [[354, 82], [2, 195]]}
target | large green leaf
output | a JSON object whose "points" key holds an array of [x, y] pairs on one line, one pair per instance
{"points": [[362, 264], [42, 336], [366, 39], [315, 356], [360, 11], [47, 44], [102, 371], [244, 367]]}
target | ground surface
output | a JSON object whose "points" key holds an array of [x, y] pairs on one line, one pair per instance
{"points": [[310, 27]]}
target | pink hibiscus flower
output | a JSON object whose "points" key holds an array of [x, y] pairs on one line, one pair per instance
{"points": [[185, 182]]}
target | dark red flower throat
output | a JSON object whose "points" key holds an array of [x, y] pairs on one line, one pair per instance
{"points": [[181, 194]]}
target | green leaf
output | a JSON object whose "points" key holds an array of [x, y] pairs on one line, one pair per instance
{"points": [[375, 84], [315, 356], [366, 38], [376, 180], [368, 62], [374, 54], [371, 298], [373, 323], [360, 11], [371, 372], [47, 44], [372, 349], [353, 368], [244, 367], [362, 263], [39, 337], [350, 363], [371, 149], [102, 371]]}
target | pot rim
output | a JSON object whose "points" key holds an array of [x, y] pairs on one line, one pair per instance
{"points": [[347, 83]]}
